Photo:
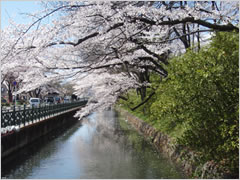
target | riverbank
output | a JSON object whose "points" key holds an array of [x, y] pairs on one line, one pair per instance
{"points": [[182, 156]]}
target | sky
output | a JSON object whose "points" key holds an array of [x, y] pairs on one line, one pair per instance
{"points": [[13, 9]]}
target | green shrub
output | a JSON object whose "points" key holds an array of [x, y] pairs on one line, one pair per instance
{"points": [[199, 100]]}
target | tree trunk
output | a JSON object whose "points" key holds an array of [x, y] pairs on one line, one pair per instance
{"points": [[30, 94], [10, 96]]}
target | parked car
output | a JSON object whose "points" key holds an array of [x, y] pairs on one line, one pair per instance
{"points": [[49, 100], [66, 100], [35, 101], [57, 100]]}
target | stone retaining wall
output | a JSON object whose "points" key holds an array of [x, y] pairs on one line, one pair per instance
{"points": [[182, 156]]}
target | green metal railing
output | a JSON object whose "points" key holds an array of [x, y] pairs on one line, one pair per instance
{"points": [[24, 115]]}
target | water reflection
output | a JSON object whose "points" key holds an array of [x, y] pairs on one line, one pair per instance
{"points": [[29, 161], [103, 147], [114, 152]]}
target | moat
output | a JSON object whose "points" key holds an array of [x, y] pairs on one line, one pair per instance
{"points": [[102, 146]]}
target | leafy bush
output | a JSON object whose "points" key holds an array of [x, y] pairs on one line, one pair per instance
{"points": [[200, 99]]}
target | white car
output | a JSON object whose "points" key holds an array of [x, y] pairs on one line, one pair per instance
{"points": [[35, 101]]}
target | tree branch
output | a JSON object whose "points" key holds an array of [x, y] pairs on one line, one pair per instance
{"points": [[163, 71], [165, 41], [146, 100], [122, 97], [228, 27]]}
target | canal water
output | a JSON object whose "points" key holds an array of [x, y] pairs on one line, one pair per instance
{"points": [[102, 146]]}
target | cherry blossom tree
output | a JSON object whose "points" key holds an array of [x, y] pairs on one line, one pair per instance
{"points": [[108, 47]]}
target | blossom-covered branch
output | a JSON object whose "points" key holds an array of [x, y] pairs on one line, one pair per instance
{"points": [[107, 48]]}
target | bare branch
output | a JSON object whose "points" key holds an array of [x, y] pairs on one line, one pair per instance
{"points": [[146, 100], [228, 27]]}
